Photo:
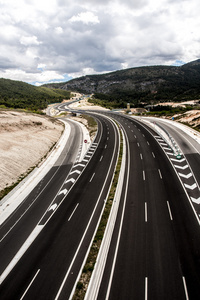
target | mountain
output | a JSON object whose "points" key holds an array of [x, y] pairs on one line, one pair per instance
{"points": [[141, 84], [18, 94]]}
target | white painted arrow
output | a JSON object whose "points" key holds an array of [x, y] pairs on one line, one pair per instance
{"points": [[182, 168], [53, 207], [185, 176], [197, 201], [70, 180], [63, 192], [76, 171], [191, 187], [178, 160]]}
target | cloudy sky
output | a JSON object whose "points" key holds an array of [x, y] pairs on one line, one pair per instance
{"points": [[54, 40]]}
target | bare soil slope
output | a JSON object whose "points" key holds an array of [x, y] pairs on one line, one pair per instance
{"points": [[25, 139]]}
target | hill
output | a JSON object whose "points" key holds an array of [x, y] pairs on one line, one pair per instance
{"points": [[26, 139], [18, 94], [143, 84]]}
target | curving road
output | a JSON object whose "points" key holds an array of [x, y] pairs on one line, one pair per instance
{"points": [[155, 247], [154, 251], [50, 266]]}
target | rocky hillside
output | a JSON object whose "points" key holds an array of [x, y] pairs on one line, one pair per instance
{"points": [[191, 118], [135, 85]]}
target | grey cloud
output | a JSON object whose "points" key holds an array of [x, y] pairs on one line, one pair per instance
{"points": [[126, 37], [133, 4], [5, 63]]}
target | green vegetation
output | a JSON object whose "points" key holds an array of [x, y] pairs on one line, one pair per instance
{"points": [[162, 110], [140, 86], [117, 99], [90, 121], [17, 94], [91, 125]]}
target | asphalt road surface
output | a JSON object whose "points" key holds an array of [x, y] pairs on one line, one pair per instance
{"points": [[155, 247], [50, 267]]}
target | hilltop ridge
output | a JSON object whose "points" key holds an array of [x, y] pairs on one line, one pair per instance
{"points": [[18, 94], [141, 84]]}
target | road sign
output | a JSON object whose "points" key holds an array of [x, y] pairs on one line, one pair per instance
{"points": [[85, 141]]}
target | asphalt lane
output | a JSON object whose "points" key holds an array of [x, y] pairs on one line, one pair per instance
{"points": [[158, 254], [189, 147], [43, 268], [15, 230]]}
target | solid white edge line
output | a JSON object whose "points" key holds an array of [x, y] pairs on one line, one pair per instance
{"points": [[96, 279], [30, 284], [28, 241], [30, 182], [146, 288], [73, 211], [185, 288], [76, 253], [24, 247], [170, 214], [21, 251], [145, 208], [120, 229], [191, 204]]}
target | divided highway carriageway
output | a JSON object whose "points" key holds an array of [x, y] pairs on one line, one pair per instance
{"points": [[154, 247], [154, 251]]}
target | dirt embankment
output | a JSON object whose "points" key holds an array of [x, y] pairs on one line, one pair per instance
{"points": [[191, 118], [25, 139]]}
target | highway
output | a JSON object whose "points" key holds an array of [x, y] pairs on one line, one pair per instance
{"points": [[15, 230], [154, 251], [155, 247], [50, 266], [189, 147]]}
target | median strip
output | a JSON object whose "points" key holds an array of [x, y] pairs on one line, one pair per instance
{"points": [[94, 250]]}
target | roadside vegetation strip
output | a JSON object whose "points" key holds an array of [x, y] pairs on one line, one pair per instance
{"points": [[82, 285], [91, 124]]}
